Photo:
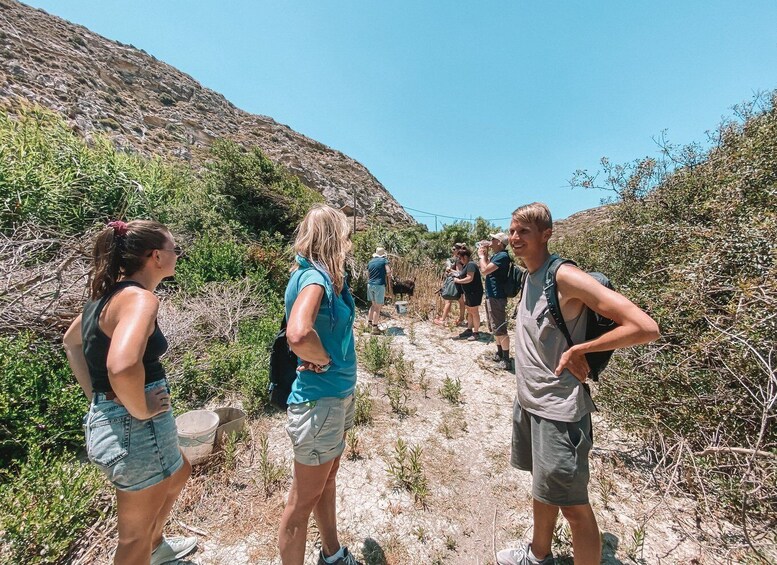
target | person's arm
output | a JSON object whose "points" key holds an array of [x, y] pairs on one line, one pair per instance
{"points": [[389, 281], [300, 330], [634, 325], [135, 311], [74, 349], [486, 267]]}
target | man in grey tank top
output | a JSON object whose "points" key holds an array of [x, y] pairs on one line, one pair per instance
{"points": [[552, 433]]}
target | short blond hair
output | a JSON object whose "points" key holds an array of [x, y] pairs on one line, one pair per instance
{"points": [[323, 238], [535, 213]]}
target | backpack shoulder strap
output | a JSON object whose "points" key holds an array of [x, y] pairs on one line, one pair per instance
{"points": [[551, 294]]}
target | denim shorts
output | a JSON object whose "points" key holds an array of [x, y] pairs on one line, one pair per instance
{"points": [[555, 453], [317, 428], [134, 454], [376, 293]]}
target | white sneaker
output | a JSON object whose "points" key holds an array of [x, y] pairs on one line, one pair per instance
{"points": [[172, 548], [521, 556]]}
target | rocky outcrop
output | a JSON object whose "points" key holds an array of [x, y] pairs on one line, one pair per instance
{"points": [[150, 107]]}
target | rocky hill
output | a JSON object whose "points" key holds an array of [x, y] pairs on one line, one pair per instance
{"points": [[580, 222], [148, 106]]}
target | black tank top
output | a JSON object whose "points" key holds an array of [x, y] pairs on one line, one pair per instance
{"points": [[96, 344]]}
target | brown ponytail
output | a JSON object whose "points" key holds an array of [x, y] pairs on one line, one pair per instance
{"points": [[122, 250]]}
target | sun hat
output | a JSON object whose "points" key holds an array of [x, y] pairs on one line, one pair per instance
{"points": [[379, 252], [501, 236]]}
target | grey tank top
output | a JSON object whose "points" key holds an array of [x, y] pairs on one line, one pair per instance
{"points": [[539, 345]]}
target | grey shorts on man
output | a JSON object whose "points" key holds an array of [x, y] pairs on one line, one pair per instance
{"points": [[555, 453]]}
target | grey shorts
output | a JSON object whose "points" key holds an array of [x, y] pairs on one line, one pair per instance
{"points": [[317, 428], [497, 314], [376, 293], [134, 454], [555, 453]]}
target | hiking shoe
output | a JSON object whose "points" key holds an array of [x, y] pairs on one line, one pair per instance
{"points": [[346, 559], [376, 330], [504, 364], [495, 357], [465, 334], [474, 337], [172, 548], [521, 556], [462, 324]]}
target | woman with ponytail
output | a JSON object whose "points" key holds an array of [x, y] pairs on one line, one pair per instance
{"points": [[320, 314], [114, 348]]}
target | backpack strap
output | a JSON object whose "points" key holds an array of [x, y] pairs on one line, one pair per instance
{"points": [[550, 290]]}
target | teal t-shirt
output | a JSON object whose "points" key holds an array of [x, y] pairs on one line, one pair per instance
{"points": [[334, 325]]}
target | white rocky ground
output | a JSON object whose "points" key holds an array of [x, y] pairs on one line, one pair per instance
{"points": [[476, 503]]}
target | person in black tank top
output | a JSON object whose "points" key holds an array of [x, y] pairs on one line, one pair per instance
{"points": [[114, 348]]}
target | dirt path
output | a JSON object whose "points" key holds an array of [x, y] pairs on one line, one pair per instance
{"points": [[475, 503]]}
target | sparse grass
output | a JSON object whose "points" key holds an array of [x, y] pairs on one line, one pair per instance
{"points": [[271, 475], [453, 423], [230, 448], [423, 383], [398, 398], [401, 370], [451, 390], [363, 409], [406, 470], [637, 542], [352, 440], [420, 533], [377, 354], [562, 539], [605, 485], [450, 542], [411, 332]]}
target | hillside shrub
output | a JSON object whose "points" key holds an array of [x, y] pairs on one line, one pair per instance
{"points": [[41, 404], [52, 178], [262, 196], [44, 510], [230, 368], [693, 240]]}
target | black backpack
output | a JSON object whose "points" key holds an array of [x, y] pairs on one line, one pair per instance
{"points": [[283, 369], [514, 281], [596, 324]]}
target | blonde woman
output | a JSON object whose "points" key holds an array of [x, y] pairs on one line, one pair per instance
{"points": [[320, 313], [114, 349]]}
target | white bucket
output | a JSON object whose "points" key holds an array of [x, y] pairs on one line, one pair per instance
{"points": [[196, 434], [401, 306]]}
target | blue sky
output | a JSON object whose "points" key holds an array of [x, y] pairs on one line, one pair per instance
{"points": [[466, 109]]}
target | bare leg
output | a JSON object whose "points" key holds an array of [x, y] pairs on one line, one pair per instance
{"points": [[446, 307], [137, 512], [178, 480], [544, 522], [325, 512], [306, 488], [586, 543], [473, 316], [462, 310]]}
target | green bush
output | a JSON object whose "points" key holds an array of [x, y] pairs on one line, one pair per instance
{"points": [[262, 196], [52, 178], [695, 246], [240, 367], [47, 506], [41, 404]]}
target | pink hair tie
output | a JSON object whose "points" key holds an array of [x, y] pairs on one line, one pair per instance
{"points": [[119, 228]]}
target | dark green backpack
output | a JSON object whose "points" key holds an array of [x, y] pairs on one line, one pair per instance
{"points": [[596, 324], [514, 281]]}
